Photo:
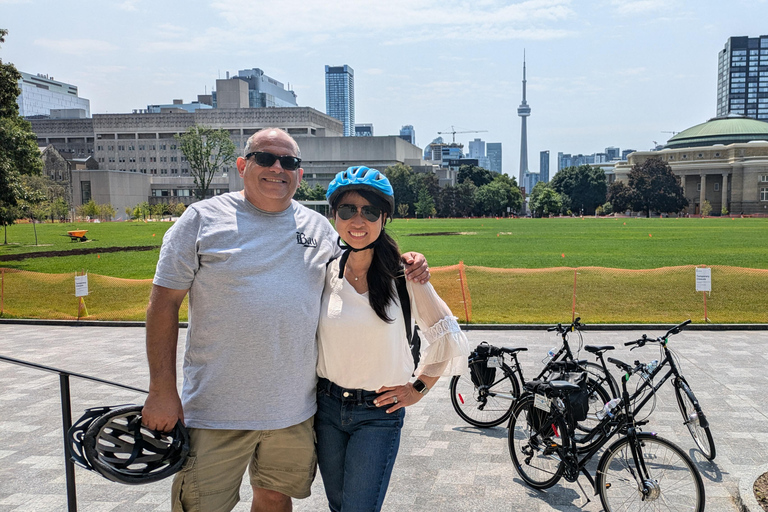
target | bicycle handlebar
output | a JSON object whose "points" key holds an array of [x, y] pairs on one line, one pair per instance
{"points": [[645, 339], [562, 330], [624, 366]]}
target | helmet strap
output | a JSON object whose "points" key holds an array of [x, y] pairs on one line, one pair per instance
{"points": [[348, 249]]}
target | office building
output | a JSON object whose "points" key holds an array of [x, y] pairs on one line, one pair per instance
{"points": [[477, 148], [544, 166], [363, 130], [626, 153], [493, 152], [612, 153], [340, 96], [742, 78], [41, 94], [523, 111], [408, 133], [176, 106], [530, 179], [251, 88], [723, 161]]}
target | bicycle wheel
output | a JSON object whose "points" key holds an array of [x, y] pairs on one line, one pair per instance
{"points": [[485, 406], [668, 482], [533, 445], [598, 397], [603, 377], [701, 435]]}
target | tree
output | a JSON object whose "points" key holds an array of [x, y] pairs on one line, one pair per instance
{"points": [[207, 151], [8, 214], [106, 211], [582, 189], [305, 193], [706, 208], [620, 196], [544, 201], [479, 175], [401, 178], [426, 204], [19, 154], [402, 210], [656, 188], [157, 210], [178, 209], [466, 197]]}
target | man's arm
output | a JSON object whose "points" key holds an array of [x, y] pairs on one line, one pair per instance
{"points": [[416, 268], [162, 409]]}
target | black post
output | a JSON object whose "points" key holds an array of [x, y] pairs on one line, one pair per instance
{"points": [[66, 420]]}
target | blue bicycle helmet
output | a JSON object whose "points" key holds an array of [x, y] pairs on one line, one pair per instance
{"points": [[360, 177]]}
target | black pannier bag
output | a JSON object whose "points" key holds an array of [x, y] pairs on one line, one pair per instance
{"points": [[578, 401], [479, 371]]}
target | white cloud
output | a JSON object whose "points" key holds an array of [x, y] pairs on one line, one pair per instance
{"points": [[373, 71], [76, 46], [128, 5], [635, 7]]}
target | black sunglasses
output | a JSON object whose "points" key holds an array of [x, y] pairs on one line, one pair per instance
{"points": [[347, 211], [264, 159]]}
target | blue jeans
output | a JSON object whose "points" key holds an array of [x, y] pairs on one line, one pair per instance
{"points": [[357, 443]]}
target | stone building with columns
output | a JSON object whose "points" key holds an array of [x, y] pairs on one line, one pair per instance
{"points": [[723, 161]]}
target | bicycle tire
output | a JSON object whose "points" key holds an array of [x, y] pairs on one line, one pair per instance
{"points": [[602, 376], [482, 408], [702, 436], [674, 483], [527, 446]]}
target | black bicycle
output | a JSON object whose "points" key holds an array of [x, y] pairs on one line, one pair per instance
{"points": [[485, 394], [693, 416], [639, 471]]}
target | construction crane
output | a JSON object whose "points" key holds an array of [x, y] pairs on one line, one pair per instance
{"points": [[673, 133], [453, 132]]}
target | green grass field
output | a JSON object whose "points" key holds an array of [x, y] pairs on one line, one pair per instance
{"points": [[546, 255], [501, 243]]}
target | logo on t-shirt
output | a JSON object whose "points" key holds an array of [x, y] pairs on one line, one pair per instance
{"points": [[305, 240]]}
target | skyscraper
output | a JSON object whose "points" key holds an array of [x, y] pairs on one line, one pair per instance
{"points": [[340, 96], [408, 133], [493, 150], [523, 111], [742, 83], [544, 166]]}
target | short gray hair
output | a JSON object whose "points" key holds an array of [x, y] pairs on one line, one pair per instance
{"points": [[250, 140]]}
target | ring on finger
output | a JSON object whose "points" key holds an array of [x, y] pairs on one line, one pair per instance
{"points": [[394, 399]]}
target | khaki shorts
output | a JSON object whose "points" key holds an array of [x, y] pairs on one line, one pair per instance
{"points": [[281, 460]]}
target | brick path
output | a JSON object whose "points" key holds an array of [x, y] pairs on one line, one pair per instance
{"points": [[443, 465]]}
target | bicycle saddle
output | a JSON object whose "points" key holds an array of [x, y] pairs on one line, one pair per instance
{"points": [[598, 349]]}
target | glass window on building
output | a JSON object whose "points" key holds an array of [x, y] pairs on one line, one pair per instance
{"points": [[764, 194], [85, 191]]}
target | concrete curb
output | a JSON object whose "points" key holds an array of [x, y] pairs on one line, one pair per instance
{"points": [[745, 498], [466, 327]]}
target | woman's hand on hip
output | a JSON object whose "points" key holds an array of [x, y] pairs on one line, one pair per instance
{"points": [[396, 397]]}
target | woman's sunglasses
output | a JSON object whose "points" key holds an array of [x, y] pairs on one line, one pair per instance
{"points": [[264, 159], [347, 211]]}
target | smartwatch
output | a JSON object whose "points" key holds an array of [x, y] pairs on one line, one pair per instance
{"points": [[420, 387]]}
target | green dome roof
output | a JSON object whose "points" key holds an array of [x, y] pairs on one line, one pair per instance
{"points": [[720, 130]]}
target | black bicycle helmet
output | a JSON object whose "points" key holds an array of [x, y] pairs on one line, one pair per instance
{"points": [[113, 442]]}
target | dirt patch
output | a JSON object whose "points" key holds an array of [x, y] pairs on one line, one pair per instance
{"points": [[444, 233], [75, 252], [761, 491]]}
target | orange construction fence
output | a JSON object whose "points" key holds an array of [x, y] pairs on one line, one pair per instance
{"points": [[474, 294]]}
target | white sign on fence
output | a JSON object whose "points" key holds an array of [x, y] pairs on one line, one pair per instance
{"points": [[81, 286], [703, 279]]}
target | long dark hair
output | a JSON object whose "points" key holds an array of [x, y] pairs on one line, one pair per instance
{"points": [[386, 259]]}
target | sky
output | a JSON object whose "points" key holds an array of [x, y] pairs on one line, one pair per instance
{"points": [[622, 73]]}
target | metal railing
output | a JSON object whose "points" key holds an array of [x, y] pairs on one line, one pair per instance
{"points": [[66, 416]]}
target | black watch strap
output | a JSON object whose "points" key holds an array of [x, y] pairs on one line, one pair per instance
{"points": [[419, 386]]}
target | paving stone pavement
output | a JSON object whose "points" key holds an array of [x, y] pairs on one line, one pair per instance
{"points": [[443, 464]]}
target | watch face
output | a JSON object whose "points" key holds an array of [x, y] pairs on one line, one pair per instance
{"points": [[420, 387]]}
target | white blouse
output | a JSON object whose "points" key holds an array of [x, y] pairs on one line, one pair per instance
{"points": [[359, 350]]}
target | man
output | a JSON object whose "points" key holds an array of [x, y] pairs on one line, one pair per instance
{"points": [[253, 263]]}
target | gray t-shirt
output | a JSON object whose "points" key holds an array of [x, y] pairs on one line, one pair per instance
{"points": [[255, 282]]}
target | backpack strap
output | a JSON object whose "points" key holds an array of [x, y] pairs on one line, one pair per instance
{"points": [[414, 341]]}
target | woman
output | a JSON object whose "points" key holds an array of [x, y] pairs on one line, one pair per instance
{"points": [[364, 360]]}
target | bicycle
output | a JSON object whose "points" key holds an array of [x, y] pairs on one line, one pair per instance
{"points": [[638, 471], [483, 399], [693, 416]]}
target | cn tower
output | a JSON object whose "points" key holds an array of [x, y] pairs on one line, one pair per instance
{"points": [[523, 111]]}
